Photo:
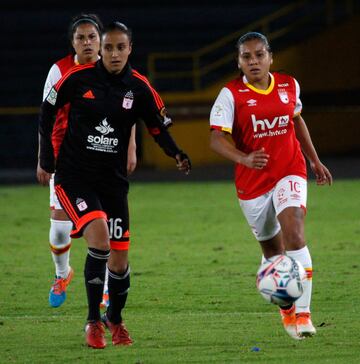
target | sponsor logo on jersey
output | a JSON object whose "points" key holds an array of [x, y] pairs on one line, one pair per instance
{"points": [[244, 90], [251, 102], [103, 143], [283, 95], [88, 95], [51, 98], [104, 127], [281, 193], [81, 204], [295, 196], [283, 84], [281, 197], [266, 124], [128, 100], [218, 110], [166, 120], [283, 121]]}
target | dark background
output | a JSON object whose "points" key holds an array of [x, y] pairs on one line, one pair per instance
{"points": [[35, 36]]}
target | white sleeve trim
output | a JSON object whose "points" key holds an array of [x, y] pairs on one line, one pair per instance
{"points": [[222, 112], [53, 77], [298, 105]]}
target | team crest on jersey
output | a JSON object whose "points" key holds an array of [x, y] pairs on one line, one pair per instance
{"points": [[283, 95], [128, 100], [51, 98], [81, 204], [251, 102]]}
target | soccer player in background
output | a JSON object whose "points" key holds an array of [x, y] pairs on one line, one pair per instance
{"points": [[84, 35], [91, 178], [261, 112]]}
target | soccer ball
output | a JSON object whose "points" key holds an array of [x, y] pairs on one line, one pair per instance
{"points": [[280, 280]]}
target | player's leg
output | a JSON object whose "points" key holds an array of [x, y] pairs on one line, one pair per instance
{"points": [[291, 215], [292, 222], [119, 285], [90, 222], [271, 247], [261, 216], [60, 243], [118, 266], [97, 237]]}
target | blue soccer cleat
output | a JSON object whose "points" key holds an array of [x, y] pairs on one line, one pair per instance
{"points": [[57, 294]]}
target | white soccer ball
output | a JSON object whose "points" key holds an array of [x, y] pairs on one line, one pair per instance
{"points": [[280, 280]]}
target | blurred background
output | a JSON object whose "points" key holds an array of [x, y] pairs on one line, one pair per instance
{"points": [[187, 50]]}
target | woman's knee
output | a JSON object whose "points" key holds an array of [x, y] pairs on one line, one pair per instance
{"points": [[96, 233], [118, 261], [292, 227], [294, 240]]}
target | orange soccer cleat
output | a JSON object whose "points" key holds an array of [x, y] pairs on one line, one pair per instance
{"points": [[288, 318], [304, 325]]}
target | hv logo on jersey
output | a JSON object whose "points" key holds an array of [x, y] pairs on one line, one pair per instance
{"points": [[266, 124]]}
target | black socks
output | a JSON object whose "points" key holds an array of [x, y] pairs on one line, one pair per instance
{"points": [[119, 285], [94, 274]]}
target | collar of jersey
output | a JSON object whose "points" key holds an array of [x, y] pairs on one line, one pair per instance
{"points": [[125, 76], [259, 91], [76, 59]]}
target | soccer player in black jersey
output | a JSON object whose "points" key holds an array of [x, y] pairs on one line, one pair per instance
{"points": [[84, 34], [106, 99]]}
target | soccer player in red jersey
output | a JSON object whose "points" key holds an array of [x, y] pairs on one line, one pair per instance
{"points": [[84, 34], [261, 111], [106, 99]]}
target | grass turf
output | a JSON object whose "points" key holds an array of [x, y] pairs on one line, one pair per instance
{"points": [[193, 296]]}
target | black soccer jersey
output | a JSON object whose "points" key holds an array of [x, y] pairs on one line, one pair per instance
{"points": [[103, 109]]}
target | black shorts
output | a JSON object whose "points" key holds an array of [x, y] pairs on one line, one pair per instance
{"points": [[84, 202]]}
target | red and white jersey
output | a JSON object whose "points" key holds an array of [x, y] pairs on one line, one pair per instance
{"points": [[261, 119], [57, 70]]}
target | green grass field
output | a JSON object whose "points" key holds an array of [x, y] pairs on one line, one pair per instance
{"points": [[193, 297]]}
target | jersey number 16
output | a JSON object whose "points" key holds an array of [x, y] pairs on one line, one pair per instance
{"points": [[115, 229]]}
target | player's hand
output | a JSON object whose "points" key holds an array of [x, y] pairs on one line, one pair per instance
{"points": [[322, 174], [131, 160], [183, 162], [257, 159], [42, 176]]}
